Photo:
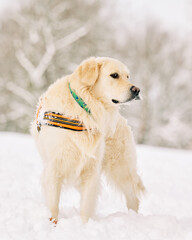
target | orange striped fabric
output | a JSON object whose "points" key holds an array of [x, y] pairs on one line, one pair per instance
{"points": [[58, 120]]}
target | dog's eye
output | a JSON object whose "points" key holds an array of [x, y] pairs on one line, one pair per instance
{"points": [[114, 75]]}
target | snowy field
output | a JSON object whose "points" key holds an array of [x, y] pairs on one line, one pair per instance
{"points": [[165, 212]]}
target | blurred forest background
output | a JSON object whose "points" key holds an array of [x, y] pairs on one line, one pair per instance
{"points": [[44, 40]]}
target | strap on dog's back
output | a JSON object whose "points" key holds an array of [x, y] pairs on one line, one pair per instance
{"points": [[58, 120]]}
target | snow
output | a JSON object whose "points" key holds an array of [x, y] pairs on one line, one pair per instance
{"points": [[165, 212]]}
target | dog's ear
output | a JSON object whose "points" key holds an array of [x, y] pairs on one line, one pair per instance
{"points": [[88, 71]]}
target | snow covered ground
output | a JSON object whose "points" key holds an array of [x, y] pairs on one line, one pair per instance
{"points": [[165, 212]]}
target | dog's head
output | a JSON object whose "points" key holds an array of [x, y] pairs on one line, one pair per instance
{"points": [[108, 79]]}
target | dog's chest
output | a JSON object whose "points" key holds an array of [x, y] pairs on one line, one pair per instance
{"points": [[111, 123]]}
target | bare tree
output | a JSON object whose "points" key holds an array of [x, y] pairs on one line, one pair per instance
{"points": [[38, 46], [159, 63], [46, 39]]}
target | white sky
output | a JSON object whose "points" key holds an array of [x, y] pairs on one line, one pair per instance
{"points": [[172, 13], [7, 4]]}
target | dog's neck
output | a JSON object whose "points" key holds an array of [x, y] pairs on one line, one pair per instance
{"points": [[98, 106], [79, 100]]}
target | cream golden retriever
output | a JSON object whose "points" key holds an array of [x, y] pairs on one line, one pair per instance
{"points": [[104, 143]]}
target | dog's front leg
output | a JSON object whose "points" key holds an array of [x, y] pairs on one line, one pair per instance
{"points": [[119, 164]]}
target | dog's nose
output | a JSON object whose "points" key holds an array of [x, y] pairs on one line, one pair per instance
{"points": [[135, 90]]}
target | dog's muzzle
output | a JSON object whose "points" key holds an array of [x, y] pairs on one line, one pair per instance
{"points": [[134, 95]]}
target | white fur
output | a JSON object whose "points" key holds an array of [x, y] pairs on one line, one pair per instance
{"points": [[78, 158]]}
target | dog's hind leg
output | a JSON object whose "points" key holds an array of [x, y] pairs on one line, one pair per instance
{"points": [[89, 188], [119, 165], [52, 189]]}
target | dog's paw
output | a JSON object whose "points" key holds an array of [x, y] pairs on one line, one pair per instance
{"points": [[133, 204], [53, 220]]}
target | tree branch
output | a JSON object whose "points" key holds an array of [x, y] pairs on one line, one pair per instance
{"points": [[72, 37], [25, 63], [21, 92]]}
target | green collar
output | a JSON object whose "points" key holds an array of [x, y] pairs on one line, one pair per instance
{"points": [[79, 101]]}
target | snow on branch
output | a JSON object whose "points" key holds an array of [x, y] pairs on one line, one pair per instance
{"points": [[58, 9], [36, 73], [25, 62], [72, 37], [21, 92], [45, 61], [49, 53]]}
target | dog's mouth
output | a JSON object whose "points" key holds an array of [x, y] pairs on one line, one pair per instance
{"points": [[128, 100], [115, 101]]}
